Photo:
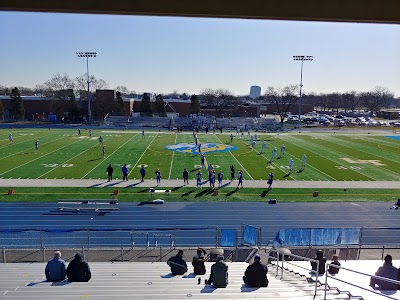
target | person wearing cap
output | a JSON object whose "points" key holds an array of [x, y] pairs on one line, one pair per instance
{"points": [[78, 270], [256, 274], [219, 273], [198, 262], [55, 269], [388, 271], [178, 264]]}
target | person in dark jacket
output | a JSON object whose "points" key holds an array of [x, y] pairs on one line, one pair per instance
{"points": [[219, 273], [110, 171], [142, 172], [78, 270], [178, 264], [198, 262], [335, 261], [55, 269], [256, 274], [322, 261]]}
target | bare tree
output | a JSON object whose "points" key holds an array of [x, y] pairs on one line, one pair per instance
{"points": [[122, 89], [95, 84], [219, 99], [376, 99], [350, 101], [283, 98], [59, 82]]}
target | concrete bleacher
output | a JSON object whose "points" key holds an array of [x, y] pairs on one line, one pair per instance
{"points": [[365, 266], [144, 280]]}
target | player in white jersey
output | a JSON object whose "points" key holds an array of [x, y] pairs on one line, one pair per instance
{"points": [[274, 154], [291, 165], [283, 148], [264, 147], [304, 161]]}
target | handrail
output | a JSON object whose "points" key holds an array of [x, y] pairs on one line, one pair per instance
{"points": [[355, 285], [311, 270]]}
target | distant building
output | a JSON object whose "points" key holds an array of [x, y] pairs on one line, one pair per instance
{"points": [[255, 91]]}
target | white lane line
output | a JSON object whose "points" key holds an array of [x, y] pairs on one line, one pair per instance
{"points": [[108, 156], [172, 160], [39, 157], [142, 154], [236, 160]]}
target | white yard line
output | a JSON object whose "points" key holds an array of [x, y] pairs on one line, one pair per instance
{"points": [[108, 157], [28, 148], [39, 157], [156, 134], [172, 160], [60, 164], [327, 157], [236, 160]]}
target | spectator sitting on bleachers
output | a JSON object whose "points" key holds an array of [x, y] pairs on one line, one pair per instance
{"points": [[177, 264], [335, 261], [219, 273], [55, 269], [256, 274], [198, 262], [388, 271], [78, 270], [322, 261]]}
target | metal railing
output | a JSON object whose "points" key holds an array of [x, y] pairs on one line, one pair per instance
{"points": [[356, 285]]}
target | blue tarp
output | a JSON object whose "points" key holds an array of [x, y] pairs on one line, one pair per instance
{"points": [[227, 238], [250, 235], [317, 236]]}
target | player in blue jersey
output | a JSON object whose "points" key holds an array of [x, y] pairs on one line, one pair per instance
{"points": [[158, 176]]}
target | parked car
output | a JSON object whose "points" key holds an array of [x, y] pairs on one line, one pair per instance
{"points": [[340, 123]]}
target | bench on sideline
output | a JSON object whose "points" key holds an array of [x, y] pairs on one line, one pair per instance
{"points": [[88, 204], [153, 191]]}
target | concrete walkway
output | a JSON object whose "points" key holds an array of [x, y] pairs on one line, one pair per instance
{"points": [[11, 183]]}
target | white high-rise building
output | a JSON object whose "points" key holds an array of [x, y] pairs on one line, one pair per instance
{"points": [[255, 91]]}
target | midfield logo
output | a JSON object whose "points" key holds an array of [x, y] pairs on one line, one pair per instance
{"points": [[191, 148]]}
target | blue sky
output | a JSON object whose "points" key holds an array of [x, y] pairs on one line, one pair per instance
{"points": [[162, 54]]}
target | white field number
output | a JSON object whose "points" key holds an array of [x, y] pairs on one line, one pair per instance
{"points": [[348, 168], [56, 165]]}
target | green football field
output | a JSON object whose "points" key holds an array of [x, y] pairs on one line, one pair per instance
{"points": [[64, 154]]}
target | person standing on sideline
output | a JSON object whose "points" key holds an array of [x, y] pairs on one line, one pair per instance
{"points": [[232, 170], [264, 147], [10, 138], [212, 178], [103, 150], [158, 176], [100, 140], [142, 133], [36, 146], [90, 133], [124, 173], [240, 178], [220, 178], [273, 154], [55, 269], [291, 165], [185, 177], [270, 181], [283, 148], [304, 161], [198, 179], [79, 131], [231, 136], [142, 172], [78, 270], [110, 171], [203, 160], [199, 150]]}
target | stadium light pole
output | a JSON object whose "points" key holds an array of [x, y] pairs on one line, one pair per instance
{"points": [[87, 55], [302, 58]]}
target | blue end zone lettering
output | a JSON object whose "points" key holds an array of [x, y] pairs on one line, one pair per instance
{"points": [[396, 137], [191, 148]]}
